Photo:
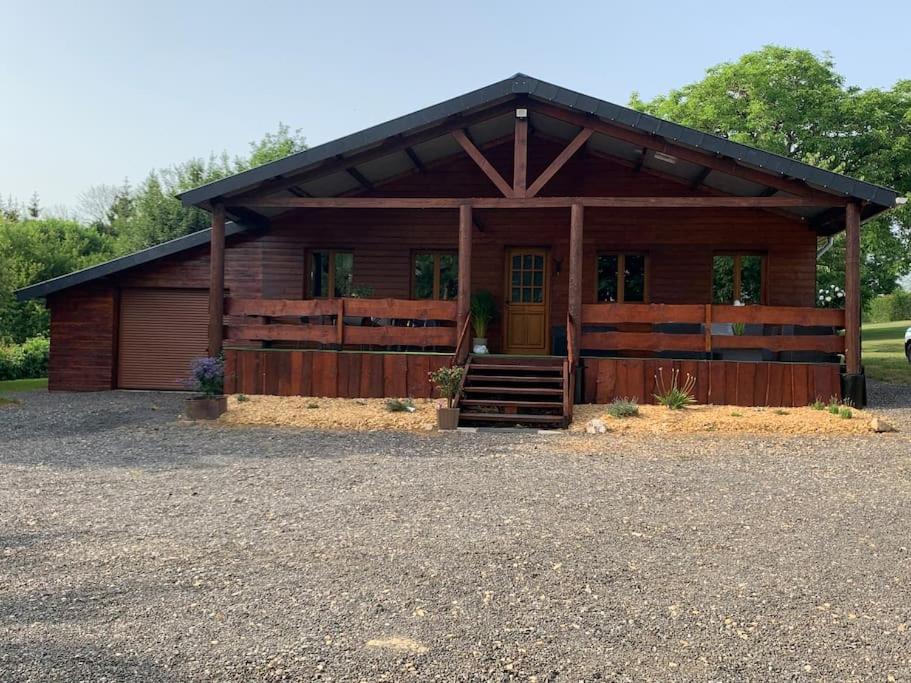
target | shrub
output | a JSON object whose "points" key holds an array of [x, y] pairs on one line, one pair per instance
{"points": [[447, 380], [26, 360], [890, 307], [833, 407], [818, 405], [242, 398], [312, 405], [400, 405], [623, 407], [780, 412], [207, 375], [674, 395], [845, 413]]}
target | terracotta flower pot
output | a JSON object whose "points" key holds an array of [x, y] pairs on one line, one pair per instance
{"points": [[447, 418], [206, 407]]}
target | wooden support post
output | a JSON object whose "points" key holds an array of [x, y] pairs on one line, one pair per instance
{"points": [[465, 227], [575, 276], [520, 155], [852, 288], [217, 280]]}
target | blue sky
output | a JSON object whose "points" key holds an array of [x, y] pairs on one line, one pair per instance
{"points": [[94, 92]]}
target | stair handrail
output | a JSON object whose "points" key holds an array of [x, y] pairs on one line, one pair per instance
{"points": [[462, 347], [572, 352]]}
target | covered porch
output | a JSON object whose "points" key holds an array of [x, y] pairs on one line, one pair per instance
{"points": [[586, 193]]}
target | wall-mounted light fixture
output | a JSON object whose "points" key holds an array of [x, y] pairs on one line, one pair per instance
{"points": [[521, 113], [558, 266]]}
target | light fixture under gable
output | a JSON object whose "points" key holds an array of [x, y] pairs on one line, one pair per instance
{"points": [[666, 158]]}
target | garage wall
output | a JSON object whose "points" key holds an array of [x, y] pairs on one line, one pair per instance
{"points": [[83, 338], [85, 319]]}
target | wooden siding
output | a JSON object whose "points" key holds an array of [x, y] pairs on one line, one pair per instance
{"points": [[83, 338], [680, 242], [331, 374], [84, 319], [717, 382]]}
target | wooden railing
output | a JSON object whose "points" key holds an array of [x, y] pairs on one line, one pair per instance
{"points": [[463, 345], [634, 328], [382, 322]]}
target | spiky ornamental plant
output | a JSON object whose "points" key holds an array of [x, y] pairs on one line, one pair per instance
{"points": [[672, 394]]}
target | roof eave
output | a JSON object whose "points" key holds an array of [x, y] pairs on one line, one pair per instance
{"points": [[121, 263]]}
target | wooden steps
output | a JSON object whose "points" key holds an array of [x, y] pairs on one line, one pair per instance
{"points": [[513, 390]]}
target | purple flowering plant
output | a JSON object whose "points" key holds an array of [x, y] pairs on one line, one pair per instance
{"points": [[207, 375]]}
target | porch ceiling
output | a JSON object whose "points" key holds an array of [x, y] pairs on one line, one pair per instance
{"points": [[411, 143]]}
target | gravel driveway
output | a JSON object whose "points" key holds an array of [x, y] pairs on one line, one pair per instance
{"points": [[135, 547]]}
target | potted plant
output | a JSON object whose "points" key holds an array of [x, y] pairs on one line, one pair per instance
{"points": [[447, 380], [483, 312], [207, 376]]}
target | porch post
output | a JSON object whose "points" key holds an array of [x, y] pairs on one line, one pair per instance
{"points": [[575, 275], [852, 288], [217, 279], [464, 304]]}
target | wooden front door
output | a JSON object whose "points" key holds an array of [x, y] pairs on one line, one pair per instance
{"points": [[526, 301]]}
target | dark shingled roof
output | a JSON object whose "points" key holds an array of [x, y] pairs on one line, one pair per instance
{"points": [[534, 89], [519, 87], [137, 258]]}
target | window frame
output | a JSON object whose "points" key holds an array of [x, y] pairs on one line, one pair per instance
{"points": [[308, 273], [436, 253], [738, 276], [621, 280]]}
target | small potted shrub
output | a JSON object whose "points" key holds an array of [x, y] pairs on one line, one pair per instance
{"points": [[483, 312], [447, 380], [207, 376]]}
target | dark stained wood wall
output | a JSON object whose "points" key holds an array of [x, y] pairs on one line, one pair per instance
{"points": [[83, 336], [680, 242], [281, 372], [717, 382], [84, 319]]}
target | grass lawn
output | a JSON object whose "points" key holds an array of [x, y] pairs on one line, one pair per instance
{"points": [[883, 351], [23, 384]]}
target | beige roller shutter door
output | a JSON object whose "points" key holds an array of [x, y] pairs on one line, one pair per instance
{"points": [[161, 331]]}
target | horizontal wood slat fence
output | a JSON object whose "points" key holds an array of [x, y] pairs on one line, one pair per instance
{"points": [[383, 322], [331, 374], [637, 316], [717, 382]]}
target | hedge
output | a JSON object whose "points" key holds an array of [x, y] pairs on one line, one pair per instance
{"points": [[890, 307], [26, 360]]}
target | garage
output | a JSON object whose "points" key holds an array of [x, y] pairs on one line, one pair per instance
{"points": [[160, 332]]}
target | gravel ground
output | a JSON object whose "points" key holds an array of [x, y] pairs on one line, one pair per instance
{"points": [[135, 547]]}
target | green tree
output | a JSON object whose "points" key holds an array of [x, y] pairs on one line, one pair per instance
{"points": [[152, 214], [36, 250], [794, 103]]}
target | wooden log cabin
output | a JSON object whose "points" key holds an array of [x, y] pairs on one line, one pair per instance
{"points": [[614, 244]]}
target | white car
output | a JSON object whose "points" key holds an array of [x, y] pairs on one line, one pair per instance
{"points": [[908, 344]]}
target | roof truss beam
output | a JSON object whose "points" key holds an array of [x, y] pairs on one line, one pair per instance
{"points": [[659, 144], [700, 202], [581, 138], [391, 145], [478, 157]]}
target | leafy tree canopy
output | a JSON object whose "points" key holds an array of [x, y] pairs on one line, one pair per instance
{"points": [[796, 104]]}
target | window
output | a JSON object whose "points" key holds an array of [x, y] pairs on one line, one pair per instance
{"points": [[622, 278], [436, 276], [527, 285], [737, 277], [331, 273]]}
